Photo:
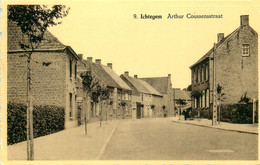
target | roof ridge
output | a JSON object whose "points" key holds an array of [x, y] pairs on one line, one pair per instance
{"points": [[217, 46]]}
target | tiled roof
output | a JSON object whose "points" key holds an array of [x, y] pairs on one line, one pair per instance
{"points": [[158, 83], [116, 78], [98, 69], [15, 37], [108, 76], [141, 86], [207, 55], [181, 94]]}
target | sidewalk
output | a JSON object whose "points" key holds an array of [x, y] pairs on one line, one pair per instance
{"points": [[70, 144], [242, 128]]}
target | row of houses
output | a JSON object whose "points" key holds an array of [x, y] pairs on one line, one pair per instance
{"points": [[57, 71], [56, 79]]}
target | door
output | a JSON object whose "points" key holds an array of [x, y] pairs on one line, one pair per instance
{"points": [[138, 111]]}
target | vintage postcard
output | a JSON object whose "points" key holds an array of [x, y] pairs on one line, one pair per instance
{"points": [[129, 82]]}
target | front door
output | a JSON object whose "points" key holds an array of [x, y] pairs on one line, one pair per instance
{"points": [[138, 111]]}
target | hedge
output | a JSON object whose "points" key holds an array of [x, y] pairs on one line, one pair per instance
{"points": [[233, 113], [46, 120], [238, 113]]}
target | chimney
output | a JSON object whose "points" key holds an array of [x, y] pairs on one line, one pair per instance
{"points": [[220, 36], [89, 59], [244, 20], [135, 76], [127, 73], [110, 65], [80, 56], [98, 61], [169, 76]]}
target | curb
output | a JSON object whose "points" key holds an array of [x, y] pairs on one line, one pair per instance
{"points": [[254, 133], [105, 144]]}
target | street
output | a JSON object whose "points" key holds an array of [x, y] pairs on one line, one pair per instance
{"points": [[162, 139]]}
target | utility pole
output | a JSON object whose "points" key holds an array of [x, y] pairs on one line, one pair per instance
{"points": [[214, 114]]}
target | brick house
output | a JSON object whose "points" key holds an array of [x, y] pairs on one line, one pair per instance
{"points": [[53, 73], [146, 101], [164, 86], [121, 93], [236, 67]]}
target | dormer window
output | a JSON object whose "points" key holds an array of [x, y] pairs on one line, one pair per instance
{"points": [[245, 50]]}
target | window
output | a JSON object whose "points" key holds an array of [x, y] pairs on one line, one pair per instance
{"points": [[207, 72], [118, 96], [194, 77], [75, 72], [123, 96], [202, 73], [70, 105], [197, 72], [70, 68], [245, 50]]}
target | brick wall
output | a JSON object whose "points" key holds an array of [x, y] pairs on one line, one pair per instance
{"points": [[48, 82], [71, 84], [51, 84], [236, 74]]}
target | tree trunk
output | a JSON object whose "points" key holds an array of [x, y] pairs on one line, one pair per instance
{"points": [[106, 113], [85, 116], [101, 113], [29, 113]]}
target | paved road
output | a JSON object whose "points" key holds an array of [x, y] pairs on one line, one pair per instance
{"points": [[161, 139]]}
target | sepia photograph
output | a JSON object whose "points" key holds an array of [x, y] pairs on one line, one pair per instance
{"points": [[129, 82]]}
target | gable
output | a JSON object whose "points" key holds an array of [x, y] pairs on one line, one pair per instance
{"points": [[15, 37], [160, 84]]}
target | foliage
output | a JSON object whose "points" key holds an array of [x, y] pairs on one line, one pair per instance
{"points": [[220, 93], [94, 87], [196, 94], [205, 113], [34, 21], [244, 99], [46, 120], [189, 88], [238, 113], [181, 102]]}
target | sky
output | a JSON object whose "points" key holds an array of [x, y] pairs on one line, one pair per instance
{"points": [[107, 30]]}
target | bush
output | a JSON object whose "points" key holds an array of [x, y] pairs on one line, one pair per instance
{"points": [[238, 113], [205, 113], [46, 120]]}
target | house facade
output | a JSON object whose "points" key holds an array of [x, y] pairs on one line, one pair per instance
{"points": [[146, 102], [53, 73], [182, 99], [119, 103], [164, 86], [232, 64]]}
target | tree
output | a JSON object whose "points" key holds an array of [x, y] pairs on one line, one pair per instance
{"points": [[33, 21], [95, 90], [221, 97], [90, 85], [181, 103], [189, 88], [104, 94]]}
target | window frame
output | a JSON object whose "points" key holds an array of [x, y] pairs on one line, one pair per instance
{"points": [[248, 51]]}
